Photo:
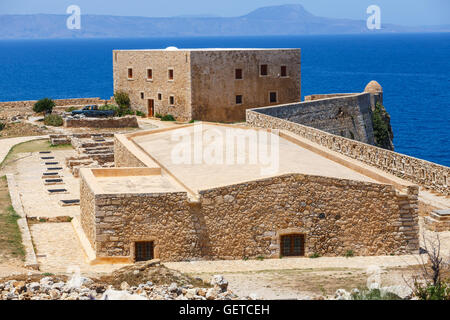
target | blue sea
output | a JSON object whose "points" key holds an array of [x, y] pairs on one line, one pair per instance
{"points": [[413, 69]]}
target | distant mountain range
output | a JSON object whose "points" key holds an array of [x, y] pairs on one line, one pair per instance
{"points": [[275, 20]]}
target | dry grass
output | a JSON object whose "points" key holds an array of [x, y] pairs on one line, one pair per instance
{"points": [[11, 247], [29, 147], [321, 282], [22, 129]]}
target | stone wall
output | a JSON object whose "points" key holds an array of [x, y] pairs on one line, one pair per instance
{"points": [[123, 122], [313, 97], [160, 62], [349, 116], [87, 207], [248, 219], [214, 87], [427, 174], [123, 157], [58, 102]]}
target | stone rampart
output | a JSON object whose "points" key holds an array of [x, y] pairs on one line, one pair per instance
{"points": [[424, 173]]}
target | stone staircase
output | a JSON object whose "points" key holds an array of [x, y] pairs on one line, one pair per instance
{"points": [[94, 150]]}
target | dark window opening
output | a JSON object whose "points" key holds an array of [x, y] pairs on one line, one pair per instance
{"points": [[130, 73], [149, 74], [293, 245], [238, 99], [172, 100], [144, 251], [170, 74], [142, 95], [273, 97], [238, 74], [264, 69], [283, 71], [159, 96]]}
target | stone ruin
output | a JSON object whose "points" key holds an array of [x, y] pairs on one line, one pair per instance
{"points": [[94, 150]]}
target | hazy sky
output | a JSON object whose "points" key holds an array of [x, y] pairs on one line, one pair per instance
{"points": [[402, 12]]}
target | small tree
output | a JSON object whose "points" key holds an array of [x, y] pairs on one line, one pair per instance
{"points": [[123, 100], [45, 105], [430, 285]]}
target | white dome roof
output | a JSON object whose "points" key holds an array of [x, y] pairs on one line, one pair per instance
{"points": [[171, 49]]}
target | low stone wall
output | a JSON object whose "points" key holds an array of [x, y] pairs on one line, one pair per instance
{"points": [[248, 219], [326, 96], [124, 122], [427, 174], [58, 102], [87, 207]]}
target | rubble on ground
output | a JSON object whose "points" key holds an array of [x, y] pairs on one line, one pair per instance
{"points": [[181, 287]]}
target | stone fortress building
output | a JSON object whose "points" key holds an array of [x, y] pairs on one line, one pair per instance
{"points": [[207, 84], [333, 192], [184, 211]]}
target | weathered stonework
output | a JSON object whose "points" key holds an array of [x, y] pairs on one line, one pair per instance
{"points": [[427, 174], [58, 102], [123, 122], [204, 86], [247, 219], [349, 116], [123, 157]]}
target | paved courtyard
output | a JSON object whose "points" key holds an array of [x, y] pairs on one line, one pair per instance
{"points": [[33, 192], [58, 250]]}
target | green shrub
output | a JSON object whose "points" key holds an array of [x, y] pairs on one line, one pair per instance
{"points": [[126, 112], [380, 126], [45, 105], [70, 109], [157, 115], [429, 291], [110, 107], [123, 101], [140, 113], [349, 253], [314, 255], [374, 294], [260, 258], [53, 120], [168, 117], [2, 126]]}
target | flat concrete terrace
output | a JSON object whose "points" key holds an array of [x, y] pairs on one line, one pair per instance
{"points": [[170, 147], [130, 180]]}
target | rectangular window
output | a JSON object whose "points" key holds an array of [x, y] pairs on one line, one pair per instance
{"points": [[238, 75], [283, 71], [264, 70], [292, 245], [144, 251], [149, 74], [159, 96], [273, 97], [171, 100], [130, 73], [170, 74], [239, 99], [142, 95]]}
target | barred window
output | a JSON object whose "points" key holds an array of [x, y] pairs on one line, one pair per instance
{"points": [[293, 245]]}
